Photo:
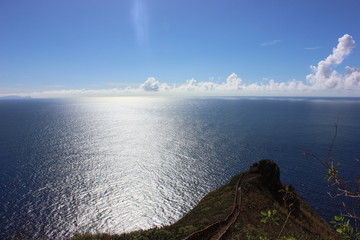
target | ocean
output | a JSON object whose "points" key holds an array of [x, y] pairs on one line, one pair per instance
{"points": [[120, 164]]}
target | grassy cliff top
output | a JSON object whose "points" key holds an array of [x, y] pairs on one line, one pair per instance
{"points": [[257, 196]]}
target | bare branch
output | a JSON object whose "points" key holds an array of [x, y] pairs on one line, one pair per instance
{"points": [[341, 188], [328, 158], [316, 158]]}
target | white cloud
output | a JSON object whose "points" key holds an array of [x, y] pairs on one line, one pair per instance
{"points": [[232, 87], [351, 78], [235, 86], [312, 48], [325, 77], [273, 86], [270, 43], [323, 81], [232, 83], [152, 85]]}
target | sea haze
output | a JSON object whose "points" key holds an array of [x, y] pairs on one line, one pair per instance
{"points": [[120, 164]]}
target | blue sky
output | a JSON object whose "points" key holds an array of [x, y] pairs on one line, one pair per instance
{"points": [[88, 47]]}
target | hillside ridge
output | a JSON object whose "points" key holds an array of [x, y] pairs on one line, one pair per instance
{"points": [[234, 212]]}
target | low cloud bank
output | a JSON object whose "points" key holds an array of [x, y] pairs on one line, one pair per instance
{"points": [[233, 84], [324, 80]]}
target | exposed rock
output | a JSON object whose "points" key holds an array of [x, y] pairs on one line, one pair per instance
{"points": [[270, 178], [270, 174]]}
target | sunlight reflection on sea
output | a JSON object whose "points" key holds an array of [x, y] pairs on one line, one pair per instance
{"points": [[120, 164]]}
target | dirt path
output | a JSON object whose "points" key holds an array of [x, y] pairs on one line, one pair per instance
{"points": [[219, 230]]}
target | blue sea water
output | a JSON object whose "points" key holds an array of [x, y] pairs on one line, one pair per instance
{"points": [[120, 164]]}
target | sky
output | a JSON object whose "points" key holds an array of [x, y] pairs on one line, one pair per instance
{"points": [[73, 48]]}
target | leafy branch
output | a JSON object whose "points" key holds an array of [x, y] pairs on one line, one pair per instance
{"points": [[342, 188]]}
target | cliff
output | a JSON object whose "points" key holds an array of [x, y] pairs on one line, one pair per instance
{"points": [[234, 212]]}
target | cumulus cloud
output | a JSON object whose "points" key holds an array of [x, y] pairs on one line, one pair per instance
{"points": [[152, 85], [324, 75], [233, 82], [323, 80], [273, 86], [234, 85]]}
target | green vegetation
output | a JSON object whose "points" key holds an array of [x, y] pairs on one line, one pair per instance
{"points": [[343, 227], [255, 221], [269, 209], [270, 216], [303, 224], [347, 191]]}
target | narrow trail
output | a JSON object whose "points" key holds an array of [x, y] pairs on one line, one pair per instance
{"points": [[218, 231]]}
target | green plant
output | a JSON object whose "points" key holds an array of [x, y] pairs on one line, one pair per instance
{"points": [[289, 198], [270, 216], [343, 227], [263, 238], [349, 227], [289, 203]]}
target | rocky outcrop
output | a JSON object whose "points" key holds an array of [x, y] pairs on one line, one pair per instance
{"points": [[270, 174], [270, 177]]}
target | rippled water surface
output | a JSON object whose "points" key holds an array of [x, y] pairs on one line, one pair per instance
{"points": [[120, 164]]}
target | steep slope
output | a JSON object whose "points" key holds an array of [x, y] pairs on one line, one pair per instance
{"points": [[233, 212]]}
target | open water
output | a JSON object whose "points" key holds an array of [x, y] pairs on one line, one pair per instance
{"points": [[120, 164]]}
